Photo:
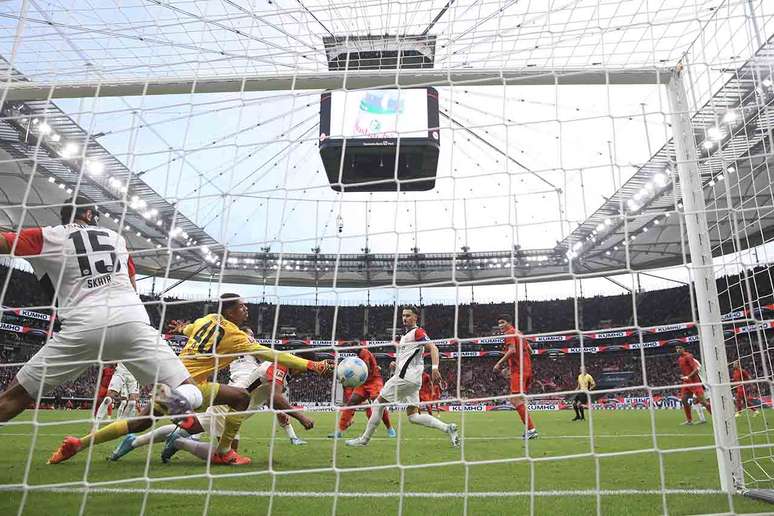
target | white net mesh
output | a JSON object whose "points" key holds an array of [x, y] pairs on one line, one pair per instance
{"points": [[602, 178]]}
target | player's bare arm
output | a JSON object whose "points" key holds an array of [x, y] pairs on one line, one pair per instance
{"points": [[435, 359]]}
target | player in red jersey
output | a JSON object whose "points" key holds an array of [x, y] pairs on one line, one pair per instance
{"points": [[738, 375], [426, 393], [104, 383], [369, 391], [689, 374], [517, 354], [436, 394]]}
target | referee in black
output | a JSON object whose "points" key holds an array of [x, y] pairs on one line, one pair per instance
{"points": [[586, 383]]}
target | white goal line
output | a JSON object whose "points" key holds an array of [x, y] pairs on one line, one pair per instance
{"points": [[374, 494]]}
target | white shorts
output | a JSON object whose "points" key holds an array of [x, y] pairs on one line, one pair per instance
{"points": [[213, 419], [400, 390], [135, 344], [124, 383]]}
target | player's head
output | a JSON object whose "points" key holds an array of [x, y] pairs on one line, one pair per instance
{"points": [[409, 314], [79, 209], [504, 321], [233, 308], [736, 364], [582, 369], [680, 350]]}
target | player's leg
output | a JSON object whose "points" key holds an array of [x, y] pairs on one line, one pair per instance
{"points": [[684, 398], [13, 401], [699, 394], [345, 420], [519, 385], [132, 442], [374, 394], [387, 395], [582, 398], [131, 405], [64, 357], [284, 422], [108, 400], [151, 361]]}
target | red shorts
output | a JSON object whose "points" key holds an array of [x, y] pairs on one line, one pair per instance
{"points": [[369, 390], [102, 392], [741, 393], [520, 383], [425, 396], [687, 389]]}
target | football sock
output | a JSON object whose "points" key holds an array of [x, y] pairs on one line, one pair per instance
{"points": [[131, 408], [345, 419], [197, 448], [230, 430], [580, 412], [687, 411], [154, 436], [429, 421], [121, 409], [386, 418], [103, 408], [112, 431], [525, 417], [290, 431], [373, 422]]}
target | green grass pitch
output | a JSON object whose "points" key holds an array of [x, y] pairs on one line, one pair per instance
{"points": [[564, 467]]}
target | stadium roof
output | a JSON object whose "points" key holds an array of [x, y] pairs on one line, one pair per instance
{"points": [[187, 47]]}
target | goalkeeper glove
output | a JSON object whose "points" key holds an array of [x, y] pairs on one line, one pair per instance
{"points": [[323, 367]]}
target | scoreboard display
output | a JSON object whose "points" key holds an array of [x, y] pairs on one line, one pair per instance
{"points": [[380, 140]]}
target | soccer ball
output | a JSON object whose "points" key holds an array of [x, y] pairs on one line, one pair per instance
{"points": [[352, 372]]}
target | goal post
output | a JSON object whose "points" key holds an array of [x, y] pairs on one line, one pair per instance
{"points": [[701, 270]]}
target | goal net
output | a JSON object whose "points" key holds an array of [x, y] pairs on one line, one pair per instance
{"points": [[596, 174]]}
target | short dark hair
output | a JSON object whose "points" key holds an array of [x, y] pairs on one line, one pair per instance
{"points": [[229, 301], [505, 317], [81, 206], [411, 308]]}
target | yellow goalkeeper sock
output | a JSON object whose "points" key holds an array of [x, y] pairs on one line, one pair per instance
{"points": [[112, 431], [230, 429]]}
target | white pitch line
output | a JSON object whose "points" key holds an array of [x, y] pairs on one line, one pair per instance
{"points": [[375, 494], [478, 438]]}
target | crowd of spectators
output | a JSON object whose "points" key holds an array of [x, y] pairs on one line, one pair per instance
{"points": [[553, 372]]}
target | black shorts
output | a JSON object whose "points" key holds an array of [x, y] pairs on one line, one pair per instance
{"points": [[582, 397]]}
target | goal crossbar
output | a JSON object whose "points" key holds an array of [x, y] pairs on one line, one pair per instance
{"points": [[27, 91]]}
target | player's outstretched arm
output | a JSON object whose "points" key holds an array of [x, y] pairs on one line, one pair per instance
{"points": [[289, 360], [281, 403]]}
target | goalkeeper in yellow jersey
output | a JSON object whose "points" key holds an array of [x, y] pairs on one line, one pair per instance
{"points": [[214, 341]]}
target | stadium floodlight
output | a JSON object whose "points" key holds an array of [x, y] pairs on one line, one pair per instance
{"points": [[608, 222], [95, 167], [708, 145], [632, 205], [660, 180], [715, 133], [43, 128], [731, 170], [69, 150], [730, 117], [51, 180], [767, 82], [55, 138]]}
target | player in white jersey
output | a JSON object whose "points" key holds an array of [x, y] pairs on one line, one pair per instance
{"points": [[266, 383], [89, 270], [404, 385], [123, 385]]}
